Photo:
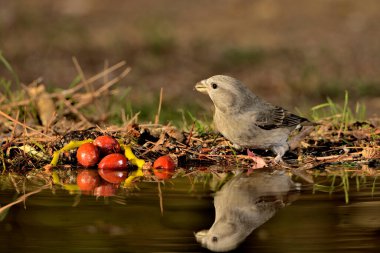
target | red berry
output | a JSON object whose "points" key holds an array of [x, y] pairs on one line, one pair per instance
{"points": [[107, 144], [113, 162], [88, 155], [113, 176], [87, 180], [163, 167], [164, 162]]}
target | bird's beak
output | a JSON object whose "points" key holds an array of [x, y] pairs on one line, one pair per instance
{"points": [[201, 87]]}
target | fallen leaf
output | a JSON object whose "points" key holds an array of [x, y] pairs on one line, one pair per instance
{"points": [[259, 162], [45, 105]]}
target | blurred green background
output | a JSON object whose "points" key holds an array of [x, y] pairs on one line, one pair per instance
{"points": [[294, 53]]}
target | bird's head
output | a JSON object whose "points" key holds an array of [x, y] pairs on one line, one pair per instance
{"points": [[227, 93], [221, 237]]}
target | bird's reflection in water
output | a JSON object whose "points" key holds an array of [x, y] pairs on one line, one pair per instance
{"points": [[243, 204]]}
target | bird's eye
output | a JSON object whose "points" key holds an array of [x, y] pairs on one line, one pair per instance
{"points": [[214, 239], [214, 85]]}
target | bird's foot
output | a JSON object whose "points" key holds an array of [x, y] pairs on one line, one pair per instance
{"points": [[278, 159], [279, 151]]}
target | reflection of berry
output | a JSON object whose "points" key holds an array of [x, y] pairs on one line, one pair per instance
{"points": [[88, 155], [105, 190], [113, 176], [87, 180]]}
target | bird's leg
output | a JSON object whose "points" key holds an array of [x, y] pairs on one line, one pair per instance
{"points": [[279, 151]]}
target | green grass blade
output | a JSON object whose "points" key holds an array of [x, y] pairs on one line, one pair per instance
{"points": [[9, 68]]}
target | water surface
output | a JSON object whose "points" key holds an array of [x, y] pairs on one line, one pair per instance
{"points": [[131, 221]]}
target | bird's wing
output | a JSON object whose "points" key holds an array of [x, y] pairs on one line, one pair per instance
{"points": [[277, 117]]}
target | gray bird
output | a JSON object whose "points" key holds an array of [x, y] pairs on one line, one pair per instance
{"points": [[245, 203], [247, 120]]}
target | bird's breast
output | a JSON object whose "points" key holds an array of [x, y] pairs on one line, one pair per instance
{"points": [[235, 128], [242, 130]]}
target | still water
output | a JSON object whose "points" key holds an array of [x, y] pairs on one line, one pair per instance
{"points": [[260, 212]]}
